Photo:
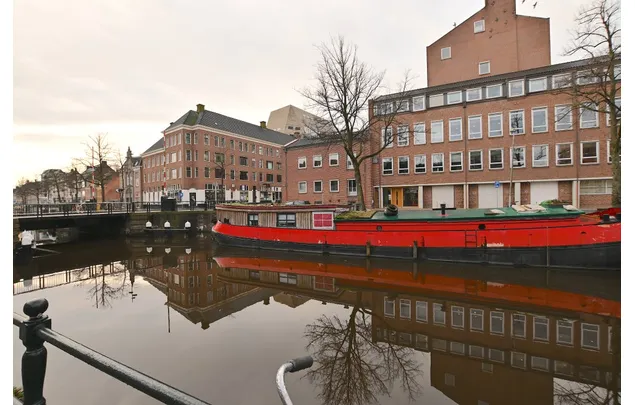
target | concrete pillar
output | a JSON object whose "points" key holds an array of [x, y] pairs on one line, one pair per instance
{"points": [[466, 196], [420, 197], [381, 197], [517, 192], [575, 193]]}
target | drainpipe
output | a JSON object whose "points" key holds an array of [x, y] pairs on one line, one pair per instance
{"points": [[466, 127]]}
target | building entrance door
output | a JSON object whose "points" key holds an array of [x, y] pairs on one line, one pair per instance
{"points": [[397, 196]]}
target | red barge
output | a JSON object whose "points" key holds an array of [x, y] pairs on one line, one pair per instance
{"points": [[525, 235]]}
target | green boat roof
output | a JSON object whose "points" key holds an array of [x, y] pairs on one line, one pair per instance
{"points": [[461, 214]]}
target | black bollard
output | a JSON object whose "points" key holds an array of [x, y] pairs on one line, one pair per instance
{"points": [[34, 358]]}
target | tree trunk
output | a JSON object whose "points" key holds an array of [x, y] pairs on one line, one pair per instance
{"points": [[360, 189], [103, 192], [616, 198]]}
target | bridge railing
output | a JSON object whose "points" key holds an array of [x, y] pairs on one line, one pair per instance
{"points": [[36, 329]]}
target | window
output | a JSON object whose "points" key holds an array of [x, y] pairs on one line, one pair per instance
{"points": [[519, 360], [404, 165], [436, 132], [456, 161], [561, 81], [563, 117], [301, 162], [349, 163], [494, 91], [473, 94], [589, 116], [497, 355], [279, 178], [352, 187], [317, 186], [286, 278], [483, 68], [455, 97], [188, 172], [421, 311], [562, 368], [497, 322], [518, 157], [420, 164], [317, 161], [496, 124], [389, 307], [403, 106], [590, 336], [269, 177], [516, 88], [541, 329], [421, 341], [540, 156], [565, 332], [476, 160], [402, 135], [322, 220], [269, 165], [387, 165], [595, 187], [334, 186], [618, 104], [286, 220], [438, 315], [437, 162], [477, 351], [495, 159], [446, 53], [419, 103], [475, 127], [590, 152], [476, 319], [334, 159], [458, 317], [404, 309], [539, 363], [617, 72], [517, 122], [436, 100], [252, 220], [420, 134], [539, 120], [537, 84], [188, 139], [586, 77], [479, 26], [457, 348], [301, 187], [564, 154], [207, 172], [518, 325], [188, 156], [456, 129], [387, 138]]}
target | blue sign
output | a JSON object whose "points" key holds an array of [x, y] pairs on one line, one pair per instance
{"points": [[497, 184]]}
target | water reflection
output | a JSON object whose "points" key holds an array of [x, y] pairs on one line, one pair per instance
{"points": [[483, 335]]}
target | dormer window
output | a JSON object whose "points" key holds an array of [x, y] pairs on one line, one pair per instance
{"points": [[479, 26], [446, 53]]}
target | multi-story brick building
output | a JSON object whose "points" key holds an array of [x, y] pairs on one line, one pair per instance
{"points": [[205, 153], [495, 125], [152, 164]]}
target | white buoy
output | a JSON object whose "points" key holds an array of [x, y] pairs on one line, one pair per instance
{"points": [[188, 250], [149, 249], [148, 224], [168, 250], [188, 225], [166, 225]]}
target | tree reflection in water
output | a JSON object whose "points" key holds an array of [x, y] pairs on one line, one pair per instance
{"points": [[351, 368]]}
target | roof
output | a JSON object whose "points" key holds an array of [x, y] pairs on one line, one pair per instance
{"points": [[307, 142], [221, 122], [158, 145]]}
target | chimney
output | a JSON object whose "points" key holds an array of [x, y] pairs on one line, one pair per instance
{"points": [[200, 108], [263, 124]]}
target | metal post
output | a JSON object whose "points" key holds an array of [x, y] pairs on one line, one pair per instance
{"points": [[34, 358]]}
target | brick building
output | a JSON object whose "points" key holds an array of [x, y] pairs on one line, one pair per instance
{"points": [[485, 110], [292, 120], [204, 153]]}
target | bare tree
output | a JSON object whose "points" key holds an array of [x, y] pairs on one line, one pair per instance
{"points": [[346, 88], [56, 179], [22, 191], [596, 86], [97, 154], [352, 368], [220, 164], [74, 181]]}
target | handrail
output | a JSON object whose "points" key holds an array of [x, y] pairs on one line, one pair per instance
{"points": [[36, 330]]}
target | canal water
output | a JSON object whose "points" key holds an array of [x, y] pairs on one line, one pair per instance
{"points": [[218, 322]]}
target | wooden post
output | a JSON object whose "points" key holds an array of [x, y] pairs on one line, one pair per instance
{"points": [[414, 250], [368, 248]]}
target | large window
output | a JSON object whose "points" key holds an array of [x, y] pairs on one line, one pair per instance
{"points": [[518, 157], [322, 220], [540, 156], [539, 120], [456, 129], [456, 161], [495, 159], [286, 221], [420, 164], [563, 118], [458, 317], [564, 154], [495, 125], [437, 162], [419, 134], [422, 311], [590, 152], [436, 131], [475, 127], [387, 165], [589, 116], [517, 122], [596, 187], [518, 325], [476, 160], [476, 319]]}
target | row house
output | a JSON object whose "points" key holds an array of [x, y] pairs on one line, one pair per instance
{"points": [[130, 179], [204, 153]]}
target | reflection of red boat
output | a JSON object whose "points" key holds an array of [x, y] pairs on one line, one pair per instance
{"points": [[405, 282], [521, 235]]}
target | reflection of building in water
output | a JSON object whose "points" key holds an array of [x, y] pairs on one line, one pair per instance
{"points": [[193, 289], [487, 353]]}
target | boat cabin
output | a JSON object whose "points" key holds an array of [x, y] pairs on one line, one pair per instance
{"points": [[280, 216]]}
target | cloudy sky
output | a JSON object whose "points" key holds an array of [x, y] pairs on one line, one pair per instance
{"points": [[129, 68]]}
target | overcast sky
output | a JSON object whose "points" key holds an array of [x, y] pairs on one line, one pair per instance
{"points": [[129, 68]]}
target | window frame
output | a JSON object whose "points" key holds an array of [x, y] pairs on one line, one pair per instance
{"points": [[403, 129], [596, 120], [502, 162], [415, 131], [502, 317], [480, 151], [432, 125], [403, 301], [524, 318], [461, 168], [449, 52], [589, 347], [317, 158], [484, 63], [414, 103], [541, 339], [480, 94], [331, 186], [482, 28], [337, 159], [546, 126], [300, 160], [460, 99], [597, 152], [315, 182], [306, 187], [286, 215], [394, 307], [399, 160], [425, 164], [461, 310], [522, 130], [571, 159], [383, 166], [558, 120], [460, 134], [487, 90], [509, 88], [511, 152], [533, 155], [536, 79], [482, 314], [489, 124], [480, 126], [330, 213], [425, 318]]}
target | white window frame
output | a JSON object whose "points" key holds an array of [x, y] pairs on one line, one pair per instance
{"points": [[317, 158], [383, 167], [300, 159], [452, 137], [403, 129], [349, 163], [589, 347], [481, 68], [571, 152], [535, 365], [502, 162], [489, 124], [581, 75], [394, 307], [416, 129], [474, 311], [432, 125], [423, 319], [557, 84], [402, 302], [331, 186], [556, 116], [498, 86], [322, 227], [597, 152], [321, 186], [479, 26], [596, 121], [461, 311], [453, 93], [618, 100], [387, 135], [480, 151], [511, 83], [403, 106], [541, 339], [524, 335], [524, 360], [533, 127], [607, 187], [533, 156], [348, 188], [337, 158], [300, 183], [522, 130], [476, 89], [456, 170], [570, 327], [435, 305], [425, 164], [511, 157], [542, 80], [478, 135], [448, 53], [423, 103], [442, 163], [407, 164], [434, 97]]}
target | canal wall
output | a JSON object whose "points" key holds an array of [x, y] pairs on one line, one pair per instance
{"points": [[201, 221]]}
